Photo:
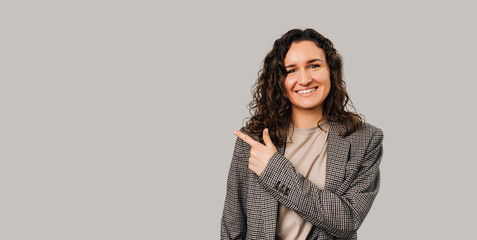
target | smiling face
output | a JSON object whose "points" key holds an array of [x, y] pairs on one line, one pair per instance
{"points": [[308, 77]]}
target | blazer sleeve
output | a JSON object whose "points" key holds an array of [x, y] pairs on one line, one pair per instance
{"points": [[233, 222], [339, 215]]}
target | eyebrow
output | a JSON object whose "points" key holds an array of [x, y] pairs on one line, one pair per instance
{"points": [[309, 61]]}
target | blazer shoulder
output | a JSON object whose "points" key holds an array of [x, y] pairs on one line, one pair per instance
{"points": [[372, 128], [367, 132], [366, 140], [254, 136]]}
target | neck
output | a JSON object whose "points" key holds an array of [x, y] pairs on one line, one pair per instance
{"points": [[306, 118]]}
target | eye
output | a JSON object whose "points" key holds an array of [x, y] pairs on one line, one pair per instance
{"points": [[314, 66], [290, 71]]}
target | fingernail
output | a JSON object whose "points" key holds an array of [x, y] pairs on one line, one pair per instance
{"points": [[266, 130], [235, 132]]}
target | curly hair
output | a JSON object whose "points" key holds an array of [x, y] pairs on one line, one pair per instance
{"points": [[270, 107]]}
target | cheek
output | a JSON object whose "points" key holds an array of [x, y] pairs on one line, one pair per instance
{"points": [[289, 83], [327, 89], [326, 83], [323, 77]]}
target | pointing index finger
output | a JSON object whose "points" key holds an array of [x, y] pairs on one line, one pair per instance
{"points": [[245, 137]]}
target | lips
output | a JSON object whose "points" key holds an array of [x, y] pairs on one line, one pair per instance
{"points": [[305, 91]]}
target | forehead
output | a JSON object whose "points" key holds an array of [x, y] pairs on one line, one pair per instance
{"points": [[303, 51]]}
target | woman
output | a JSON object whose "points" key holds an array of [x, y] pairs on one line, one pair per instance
{"points": [[303, 166]]}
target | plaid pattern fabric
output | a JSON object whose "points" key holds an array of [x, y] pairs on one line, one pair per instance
{"points": [[352, 183]]}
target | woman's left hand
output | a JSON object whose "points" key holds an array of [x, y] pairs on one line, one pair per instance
{"points": [[259, 154]]}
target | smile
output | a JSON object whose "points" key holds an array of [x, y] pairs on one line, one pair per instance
{"points": [[307, 91]]}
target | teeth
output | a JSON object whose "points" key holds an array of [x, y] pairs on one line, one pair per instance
{"points": [[306, 91]]}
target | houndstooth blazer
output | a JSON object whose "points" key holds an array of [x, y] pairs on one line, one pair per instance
{"points": [[352, 182]]}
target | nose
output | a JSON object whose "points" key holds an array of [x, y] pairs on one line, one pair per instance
{"points": [[304, 78]]}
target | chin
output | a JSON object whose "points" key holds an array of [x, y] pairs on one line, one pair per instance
{"points": [[308, 107]]}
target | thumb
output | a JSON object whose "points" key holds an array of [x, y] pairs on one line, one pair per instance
{"points": [[268, 140]]}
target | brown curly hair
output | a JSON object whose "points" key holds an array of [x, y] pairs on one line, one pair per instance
{"points": [[270, 108]]}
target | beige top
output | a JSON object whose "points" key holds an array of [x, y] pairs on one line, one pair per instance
{"points": [[307, 152]]}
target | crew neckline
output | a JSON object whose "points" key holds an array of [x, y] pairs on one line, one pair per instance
{"points": [[305, 131]]}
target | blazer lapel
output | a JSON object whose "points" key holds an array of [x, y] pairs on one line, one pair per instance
{"points": [[265, 210], [337, 157], [270, 209]]}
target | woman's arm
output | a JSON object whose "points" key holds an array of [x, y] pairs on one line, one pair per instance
{"points": [[339, 215], [233, 222]]}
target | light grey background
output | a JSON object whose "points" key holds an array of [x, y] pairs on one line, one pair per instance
{"points": [[117, 116]]}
